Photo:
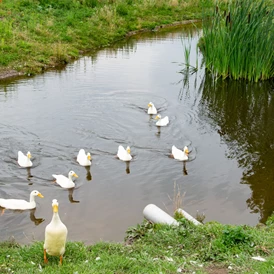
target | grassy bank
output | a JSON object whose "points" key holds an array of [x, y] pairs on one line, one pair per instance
{"points": [[210, 248], [36, 35]]}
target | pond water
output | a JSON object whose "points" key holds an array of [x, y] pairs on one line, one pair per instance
{"points": [[98, 103]]}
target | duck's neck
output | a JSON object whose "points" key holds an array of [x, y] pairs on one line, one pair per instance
{"points": [[70, 177], [55, 217], [32, 199]]}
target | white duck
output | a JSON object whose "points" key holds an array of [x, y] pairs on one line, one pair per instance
{"points": [[151, 109], [162, 122], [65, 182], [84, 159], [179, 154], [24, 160], [55, 235], [18, 204], [124, 154]]}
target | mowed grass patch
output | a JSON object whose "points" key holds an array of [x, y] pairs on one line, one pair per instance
{"points": [[36, 35], [152, 248]]}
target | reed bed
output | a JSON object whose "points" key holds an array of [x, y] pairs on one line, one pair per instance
{"points": [[239, 42]]}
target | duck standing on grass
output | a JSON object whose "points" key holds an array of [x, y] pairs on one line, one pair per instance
{"points": [[24, 160], [55, 235], [151, 109]]}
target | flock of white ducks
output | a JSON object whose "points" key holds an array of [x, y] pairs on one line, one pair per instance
{"points": [[56, 232], [178, 154]]}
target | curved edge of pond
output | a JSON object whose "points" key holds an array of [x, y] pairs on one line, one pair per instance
{"points": [[12, 74]]}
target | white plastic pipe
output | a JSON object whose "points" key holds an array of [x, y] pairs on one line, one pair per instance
{"points": [[156, 215], [188, 217]]}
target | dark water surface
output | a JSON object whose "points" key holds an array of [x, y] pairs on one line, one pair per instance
{"points": [[98, 103]]}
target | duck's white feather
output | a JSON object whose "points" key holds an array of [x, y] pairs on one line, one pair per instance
{"points": [[124, 154], [18, 204], [65, 182], [151, 109], [24, 160], [83, 159], [55, 235], [162, 122], [178, 154]]}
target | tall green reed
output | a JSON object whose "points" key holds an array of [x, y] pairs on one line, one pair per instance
{"points": [[188, 67], [239, 43]]}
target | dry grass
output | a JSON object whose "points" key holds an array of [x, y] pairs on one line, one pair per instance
{"points": [[178, 197]]}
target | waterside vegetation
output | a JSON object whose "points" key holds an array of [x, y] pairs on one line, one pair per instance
{"points": [[238, 42], [151, 248], [39, 34]]}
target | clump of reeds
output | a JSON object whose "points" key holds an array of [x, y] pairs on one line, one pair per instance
{"points": [[239, 43]]}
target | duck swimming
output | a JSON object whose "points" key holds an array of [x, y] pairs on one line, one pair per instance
{"points": [[65, 182], [19, 204], [84, 159], [151, 109], [162, 122], [178, 154], [124, 154], [24, 160]]}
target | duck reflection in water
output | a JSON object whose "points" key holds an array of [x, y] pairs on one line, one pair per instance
{"points": [[185, 172], [158, 132], [88, 176], [184, 168], [150, 118], [127, 167], [70, 196], [29, 176], [37, 221], [32, 217]]}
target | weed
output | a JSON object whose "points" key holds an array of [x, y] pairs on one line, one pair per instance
{"points": [[200, 217], [235, 235], [137, 232]]}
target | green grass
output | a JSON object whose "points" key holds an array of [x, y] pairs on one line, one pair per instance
{"points": [[36, 35], [154, 248], [238, 42]]}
